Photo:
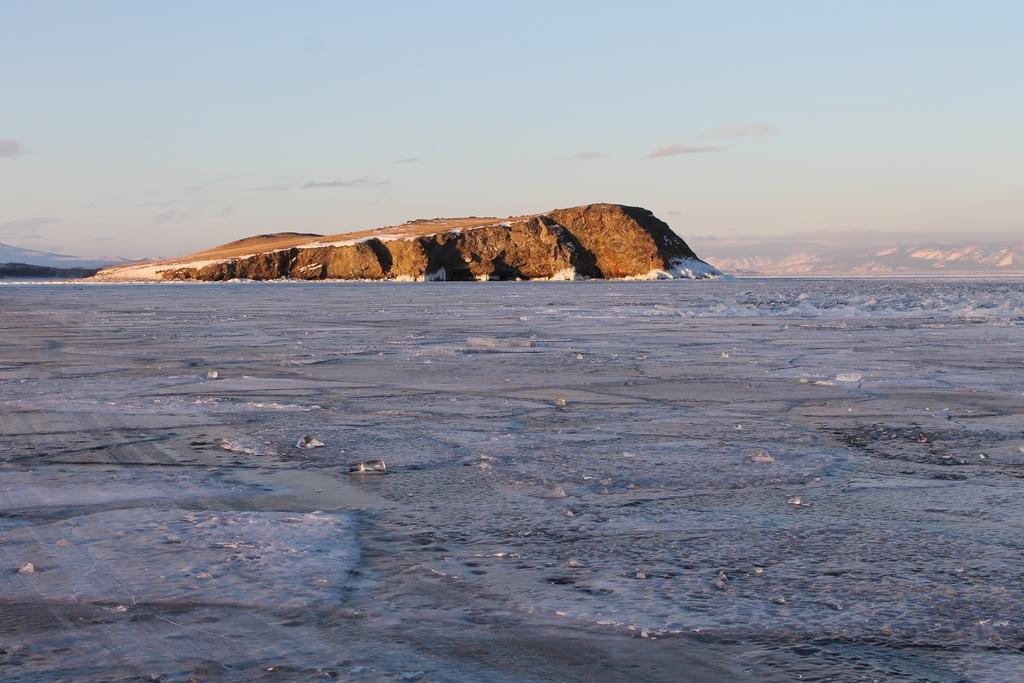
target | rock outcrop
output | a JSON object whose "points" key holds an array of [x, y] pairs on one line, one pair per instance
{"points": [[595, 241]]}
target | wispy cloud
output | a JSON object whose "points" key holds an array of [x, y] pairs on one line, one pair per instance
{"points": [[287, 184], [26, 228], [737, 131], [358, 182], [410, 160], [10, 149], [673, 150], [586, 156], [272, 188], [175, 215], [175, 211]]}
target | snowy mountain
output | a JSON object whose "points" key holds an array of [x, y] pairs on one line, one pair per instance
{"points": [[780, 257], [9, 254]]}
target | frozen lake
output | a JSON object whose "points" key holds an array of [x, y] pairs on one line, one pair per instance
{"points": [[577, 492]]}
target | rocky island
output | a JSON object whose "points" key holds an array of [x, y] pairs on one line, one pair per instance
{"points": [[601, 241]]}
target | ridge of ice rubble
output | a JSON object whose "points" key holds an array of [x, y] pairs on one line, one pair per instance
{"points": [[885, 300]]}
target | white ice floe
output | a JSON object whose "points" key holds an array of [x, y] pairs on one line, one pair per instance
{"points": [[308, 441], [247, 446], [552, 490], [494, 343]]}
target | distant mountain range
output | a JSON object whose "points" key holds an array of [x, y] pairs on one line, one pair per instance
{"points": [[803, 256], [16, 262]]}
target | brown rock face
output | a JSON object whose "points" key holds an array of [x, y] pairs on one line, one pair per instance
{"points": [[625, 240], [594, 241]]}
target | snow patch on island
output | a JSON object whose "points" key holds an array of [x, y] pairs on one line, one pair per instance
{"points": [[147, 272], [680, 269]]}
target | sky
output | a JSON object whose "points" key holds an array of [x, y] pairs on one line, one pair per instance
{"points": [[157, 129]]}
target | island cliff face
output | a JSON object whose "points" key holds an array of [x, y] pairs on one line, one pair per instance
{"points": [[594, 241]]}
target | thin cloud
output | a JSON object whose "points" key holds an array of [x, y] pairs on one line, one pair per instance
{"points": [[410, 160], [586, 156], [673, 150], [287, 184], [751, 129], [26, 228], [10, 149], [358, 182], [272, 188], [174, 216]]}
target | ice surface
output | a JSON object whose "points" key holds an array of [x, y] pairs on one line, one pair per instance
{"points": [[148, 556], [647, 405]]}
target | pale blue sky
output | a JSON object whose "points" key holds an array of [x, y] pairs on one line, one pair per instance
{"points": [[154, 129]]}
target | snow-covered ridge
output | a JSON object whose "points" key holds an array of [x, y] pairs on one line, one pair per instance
{"points": [[394, 234]]}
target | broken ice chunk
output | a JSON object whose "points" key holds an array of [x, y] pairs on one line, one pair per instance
{"points": [[559, 401], [493, 343], [552, 490], [761, 455], [848, 377], [212, 374], [368, 467], [27, 568], [308, 441]]}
